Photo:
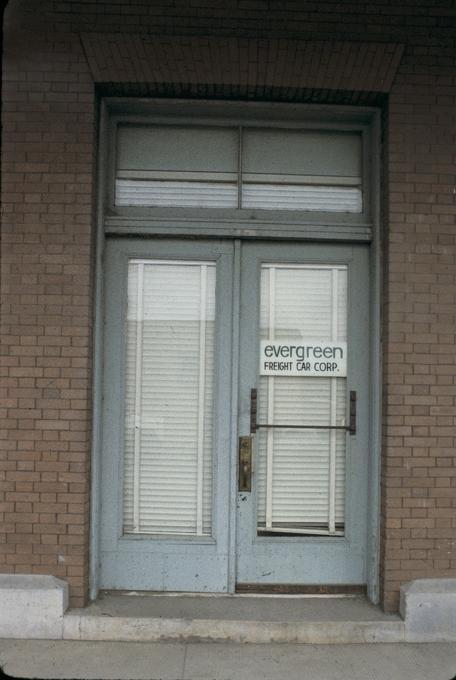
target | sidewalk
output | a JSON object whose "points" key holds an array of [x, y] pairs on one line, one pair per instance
{"points": [[226, 661]]}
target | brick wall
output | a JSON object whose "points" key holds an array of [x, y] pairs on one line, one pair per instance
{"points": [[418, 467], [49, 118], [48, 150]]}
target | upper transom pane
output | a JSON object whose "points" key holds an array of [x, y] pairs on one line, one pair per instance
{"points": [[239, 167]]}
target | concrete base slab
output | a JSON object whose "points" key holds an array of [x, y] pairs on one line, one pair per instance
{"points": [[428, 607], [32, 606], [223, 661], [123, 617]]}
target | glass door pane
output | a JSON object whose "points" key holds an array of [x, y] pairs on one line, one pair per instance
{"points": [[169, 379], [301, 472]]}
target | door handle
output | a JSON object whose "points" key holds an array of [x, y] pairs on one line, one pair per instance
{"points": [[352, 422], [245, 463], [254, 425]]}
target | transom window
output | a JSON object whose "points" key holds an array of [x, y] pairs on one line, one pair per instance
{"points": [[239, 167]]}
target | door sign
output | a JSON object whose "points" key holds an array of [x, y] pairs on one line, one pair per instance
{"points": [[303, 358]]}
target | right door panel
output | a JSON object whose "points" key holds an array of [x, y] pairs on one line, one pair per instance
{"points": [[304, 349]]}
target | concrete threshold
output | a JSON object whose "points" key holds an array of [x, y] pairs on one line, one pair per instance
{"points": [[135, 617]]}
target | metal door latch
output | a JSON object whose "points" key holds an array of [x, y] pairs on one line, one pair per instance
{"points": [[245, 463]]}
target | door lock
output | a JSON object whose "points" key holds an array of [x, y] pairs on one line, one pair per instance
{"points": [[245, 464]]}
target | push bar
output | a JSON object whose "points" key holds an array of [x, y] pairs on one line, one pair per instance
{"points": [[254, 425]]}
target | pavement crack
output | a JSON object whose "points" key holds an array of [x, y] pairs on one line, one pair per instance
{"points": [[184, 663]]}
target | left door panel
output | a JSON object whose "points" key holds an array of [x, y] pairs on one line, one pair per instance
{"points": [[166, 427]]}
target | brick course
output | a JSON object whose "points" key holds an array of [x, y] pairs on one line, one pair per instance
{"points": [[48, 170]]}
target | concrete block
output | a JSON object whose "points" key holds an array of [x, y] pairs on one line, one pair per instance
{"points": [[231, 618], [428, 607], [256, 632], [32, 606]]}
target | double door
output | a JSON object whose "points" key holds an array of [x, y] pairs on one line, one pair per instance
{"points": [[235, 427]]}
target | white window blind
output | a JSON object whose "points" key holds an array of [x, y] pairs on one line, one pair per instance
{"points": [[301, 473], [301, 197], [178, 193], [168, 397], [245, 168]]}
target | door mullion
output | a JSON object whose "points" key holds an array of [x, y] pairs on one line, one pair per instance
{"points": [[236, 425]]}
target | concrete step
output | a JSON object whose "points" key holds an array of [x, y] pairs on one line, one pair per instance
{"points": [[141, 617]]}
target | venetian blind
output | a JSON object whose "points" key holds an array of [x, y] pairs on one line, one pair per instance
{"points": [[301, 473], [168, 403]]}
